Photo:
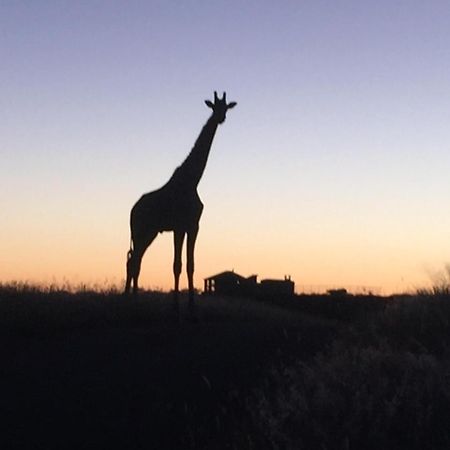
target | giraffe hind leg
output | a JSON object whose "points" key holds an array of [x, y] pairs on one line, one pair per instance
{"points": [[135, 259], [129, 270], [128, 281]]}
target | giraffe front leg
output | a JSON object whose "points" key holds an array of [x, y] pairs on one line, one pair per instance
{"points": [[178, 239], [192, 236]]}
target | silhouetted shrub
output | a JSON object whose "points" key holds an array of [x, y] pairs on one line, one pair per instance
{"points": [[356, 398], [283, 372]]}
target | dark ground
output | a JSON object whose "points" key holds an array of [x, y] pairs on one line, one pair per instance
{"points": [[118, 372], [95, 370]]}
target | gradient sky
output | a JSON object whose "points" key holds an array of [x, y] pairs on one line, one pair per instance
{"points": [[333, 168]]}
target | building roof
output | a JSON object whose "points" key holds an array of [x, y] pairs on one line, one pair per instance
{"points": [[271, 280], [226, 274]]}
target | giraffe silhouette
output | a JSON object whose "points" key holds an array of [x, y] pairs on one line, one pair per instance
{"points": [[175, 207]]}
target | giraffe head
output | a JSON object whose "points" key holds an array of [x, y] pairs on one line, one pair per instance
{"points": [[220, 107]]}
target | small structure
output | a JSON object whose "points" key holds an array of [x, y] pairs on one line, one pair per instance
{"points": [[277, 287], [337, 292], [231, 283]]}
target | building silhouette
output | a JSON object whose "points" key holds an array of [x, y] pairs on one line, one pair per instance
{"points": [[232, 284]]}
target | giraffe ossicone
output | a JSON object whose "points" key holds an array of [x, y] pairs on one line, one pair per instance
{"points": [[175, 207]]}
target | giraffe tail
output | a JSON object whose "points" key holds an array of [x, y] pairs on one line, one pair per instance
{"points": [[130, 251]]}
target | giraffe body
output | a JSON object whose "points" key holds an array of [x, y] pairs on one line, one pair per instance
{"points": [[176, 207], [161, 210]]}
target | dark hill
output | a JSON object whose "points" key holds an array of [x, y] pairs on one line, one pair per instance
{"points": [[93, 370]]}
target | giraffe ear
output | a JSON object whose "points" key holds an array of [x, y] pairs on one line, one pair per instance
{"points": [[209, 103], [231, 105]]}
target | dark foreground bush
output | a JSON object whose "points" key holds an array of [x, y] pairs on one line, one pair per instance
{"points": [[352, 398], [92, 369]]}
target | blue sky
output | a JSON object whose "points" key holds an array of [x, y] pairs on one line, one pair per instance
{"points": [[332, 168]]}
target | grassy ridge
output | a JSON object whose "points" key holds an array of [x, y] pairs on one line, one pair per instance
{"points": [[91, 369]]}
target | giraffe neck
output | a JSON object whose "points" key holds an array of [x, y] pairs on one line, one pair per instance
{"points": [[191, 171]]}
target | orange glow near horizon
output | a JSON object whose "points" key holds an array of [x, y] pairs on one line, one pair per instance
{"points": [[75, 258], [318, 245]]}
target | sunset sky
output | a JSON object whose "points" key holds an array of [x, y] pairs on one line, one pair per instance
{"points": [[334, 167]]}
